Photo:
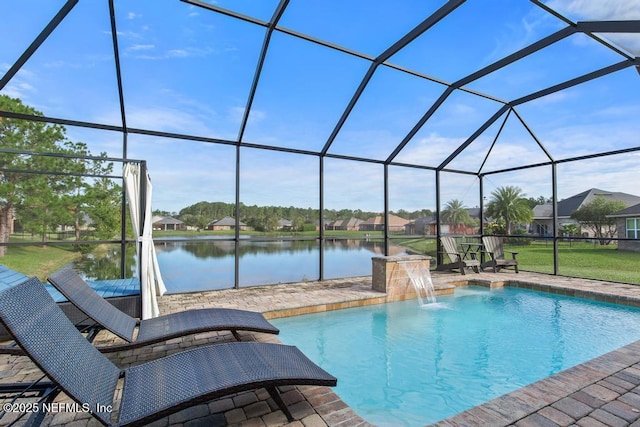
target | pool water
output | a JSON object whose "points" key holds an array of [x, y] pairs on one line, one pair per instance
{"points": [[401, 365]]}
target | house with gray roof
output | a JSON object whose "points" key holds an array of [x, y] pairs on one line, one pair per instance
{"points": [[628, 224], [167, 223], [285, 224], [542, 224], [226, 223]]}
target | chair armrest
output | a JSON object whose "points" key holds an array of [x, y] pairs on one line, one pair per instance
{"points": [[513, 254], [488, 253], [447, 254]]}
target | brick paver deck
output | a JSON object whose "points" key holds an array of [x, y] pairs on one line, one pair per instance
{"points": [[602, 392]]}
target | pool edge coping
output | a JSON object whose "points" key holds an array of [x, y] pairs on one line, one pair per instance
{"points": [[526, 402]]}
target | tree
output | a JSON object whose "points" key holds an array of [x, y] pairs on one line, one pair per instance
{"points": [[594, 215], [17, 188], [46, 191], [456, 215], [540, 200], [508, 204]]}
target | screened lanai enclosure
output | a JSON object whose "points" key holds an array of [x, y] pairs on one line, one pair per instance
{"points": [[294, 140]]}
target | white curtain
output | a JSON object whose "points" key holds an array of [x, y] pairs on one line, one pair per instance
{"points": [[151, 284]]}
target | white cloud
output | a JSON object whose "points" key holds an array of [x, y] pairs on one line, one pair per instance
{"points": [[611, 10], [167, 120], [598, 10], [137, 47], [430, 150]]}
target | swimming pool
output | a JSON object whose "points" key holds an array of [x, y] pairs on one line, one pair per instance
{"points": [[398, 364]]}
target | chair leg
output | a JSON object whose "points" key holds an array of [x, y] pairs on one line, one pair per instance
{"points": [[275, 395], [461, 267]]}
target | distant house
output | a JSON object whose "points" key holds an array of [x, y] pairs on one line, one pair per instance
{"points": [[285, 224], [628, 224], [425, 225], [428, 225], [377, 223], [167, 223], [86, 224], [226, 223], [325, 224], [350, 224], [542, 224]]}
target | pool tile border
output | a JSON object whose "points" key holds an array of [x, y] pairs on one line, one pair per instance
{"points": [[604, 391]]}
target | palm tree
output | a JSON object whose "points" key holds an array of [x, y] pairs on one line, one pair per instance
{"points": [[508, 203], [455, 214]]}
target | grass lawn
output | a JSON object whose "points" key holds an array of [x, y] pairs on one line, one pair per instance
{"points": [[577, 259], [38, 260], [419, 246], [581, 259]]}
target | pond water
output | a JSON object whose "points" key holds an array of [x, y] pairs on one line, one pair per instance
{"points": [[208, 263]]}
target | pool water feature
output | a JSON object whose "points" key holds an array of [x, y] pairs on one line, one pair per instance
{"points": [[400, 365], [420, 277]]}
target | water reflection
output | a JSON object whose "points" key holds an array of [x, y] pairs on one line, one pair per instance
{"points": [[104, 263], [208, 262], [204, 263]]}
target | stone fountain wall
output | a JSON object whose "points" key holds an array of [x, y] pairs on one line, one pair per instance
{"points": [[389, 275]]}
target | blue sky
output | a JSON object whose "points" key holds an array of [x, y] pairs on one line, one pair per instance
{"points": [[188, 70]]}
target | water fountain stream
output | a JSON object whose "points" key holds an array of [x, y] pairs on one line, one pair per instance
{"points": [[420, 277]]}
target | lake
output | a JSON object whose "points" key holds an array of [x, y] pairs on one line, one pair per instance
{"points": [[208, 262]]}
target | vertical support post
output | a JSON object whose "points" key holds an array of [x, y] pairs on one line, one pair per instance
{"points": [[236, 214], [386, 210], [123, 215], [554, 197], [481, 194], [143, 210], [321, 220], [438, 228], [481, 189]]}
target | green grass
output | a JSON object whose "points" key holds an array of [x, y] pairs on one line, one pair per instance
{"points": [[581, 260], [38, 260], [577, 259], [419, 246]]}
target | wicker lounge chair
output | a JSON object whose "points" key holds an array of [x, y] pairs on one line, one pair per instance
{"points": [[157, 329], [124, 294], [153, 389], [494, 248], [457, 259]]}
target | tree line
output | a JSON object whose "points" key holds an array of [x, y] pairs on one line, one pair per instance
{"points": [[57, 187], [265, 218]]}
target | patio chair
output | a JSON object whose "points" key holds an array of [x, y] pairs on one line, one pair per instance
{"points": [[153, 389], [457, 259], [493, 246], [156, 329], [124, 294]]}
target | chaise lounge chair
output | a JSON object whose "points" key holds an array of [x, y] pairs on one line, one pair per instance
{"points": [[153, 389], [457, 259], [124, 294], [494, 248], [157, 329]]}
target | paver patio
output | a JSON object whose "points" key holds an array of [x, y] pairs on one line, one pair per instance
{"points": [[602, 392]]}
